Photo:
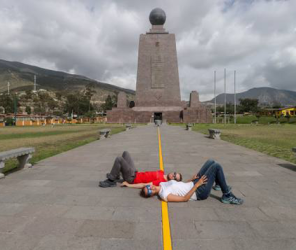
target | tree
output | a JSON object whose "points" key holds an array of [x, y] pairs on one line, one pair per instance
{"points": [[249, 105], [110, 102], [58, 95], [8, 102], [89, 92], [78, 103], [229, 108], [28, 94], [28, 110]]}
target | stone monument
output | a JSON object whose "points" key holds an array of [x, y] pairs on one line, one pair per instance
{"points": [[157, 88], [158, 78]]}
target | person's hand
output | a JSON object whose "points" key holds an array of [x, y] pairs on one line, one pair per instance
{"points": [[194, 177], [124, 184], [203, 180]]}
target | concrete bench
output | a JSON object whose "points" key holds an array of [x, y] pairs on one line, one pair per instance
{"points": [[294, 150], [189, 126], [214, 133], [128, 126], [23, 156], [104, 133]]}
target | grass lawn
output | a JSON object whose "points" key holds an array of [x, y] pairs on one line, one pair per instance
{"points": [[274, 140], [49, 141], [248, 119]]}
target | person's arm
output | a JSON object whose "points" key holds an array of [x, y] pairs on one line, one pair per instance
{"points": [[176, 198], [138, 185]]}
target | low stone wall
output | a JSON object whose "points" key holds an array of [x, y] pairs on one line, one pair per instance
{"points": [[117, 115], [189, 115], [197, 115]]}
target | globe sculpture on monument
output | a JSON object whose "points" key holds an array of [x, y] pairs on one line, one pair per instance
{"points": [[158, 87]]}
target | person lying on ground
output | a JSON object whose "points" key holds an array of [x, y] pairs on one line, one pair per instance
{"points": [[198, 188], [132, 178]]}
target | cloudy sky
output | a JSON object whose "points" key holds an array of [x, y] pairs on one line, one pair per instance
{"points": [[99, 39]]}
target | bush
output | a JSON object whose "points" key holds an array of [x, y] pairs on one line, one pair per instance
{"points": [[9, 121]]}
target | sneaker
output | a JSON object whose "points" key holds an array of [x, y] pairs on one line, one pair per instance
{"points": [[116, 180], [218, 188], [107, 183], [231, 199]]}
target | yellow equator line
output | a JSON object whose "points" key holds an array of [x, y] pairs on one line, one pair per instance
{"points": [[166, 232]]}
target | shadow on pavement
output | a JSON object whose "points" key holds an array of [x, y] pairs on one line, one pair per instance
{"points": [[215, 197], [288, 166]]}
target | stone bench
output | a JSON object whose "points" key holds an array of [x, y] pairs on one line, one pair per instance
{"points": [[23, 156], [104, 133], [128, 126], [214, 133], [189, 126]]}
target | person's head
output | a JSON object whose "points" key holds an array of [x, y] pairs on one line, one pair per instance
{"points": [[175, 176], [149, 191]]}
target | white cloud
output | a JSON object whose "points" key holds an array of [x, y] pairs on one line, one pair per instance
{"points": [[99, 39]]}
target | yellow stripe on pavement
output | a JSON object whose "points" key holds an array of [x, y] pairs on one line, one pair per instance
{"points": [[166, 232]]}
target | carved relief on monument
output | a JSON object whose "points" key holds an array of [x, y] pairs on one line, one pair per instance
{"points": [[157, 71]]}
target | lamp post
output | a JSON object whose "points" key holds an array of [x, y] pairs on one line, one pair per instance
{"points": [[224, 96], [234, 76], [15, 107], [215, 109]]}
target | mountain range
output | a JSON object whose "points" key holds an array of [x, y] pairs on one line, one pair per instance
{"points": [[266, 96], [21, 78]]}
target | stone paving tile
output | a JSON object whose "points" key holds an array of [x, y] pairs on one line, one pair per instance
{"points": [[19, 241], [237, 213], [33, 183], [183, 230], [223, 229], [106, 229], [10, 225], [50, 242], [192, 214], [148, 230], [10, 198], [280, 212], [132, 244], [42, 226], [205, 244], [275, 229], [137, 214], [40, 210], [247, 243], [89, 212], [10, 208]]}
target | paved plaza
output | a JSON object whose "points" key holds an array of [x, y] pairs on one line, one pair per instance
{"points": [[58, 205]]}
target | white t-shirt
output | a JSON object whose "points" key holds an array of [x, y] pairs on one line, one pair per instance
{"points": [[175, 188]]}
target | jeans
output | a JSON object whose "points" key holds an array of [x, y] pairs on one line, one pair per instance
{"points": [[124, 165], [214, 173]]}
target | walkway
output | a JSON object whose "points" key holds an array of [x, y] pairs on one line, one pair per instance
{"points": [[57, 204]]}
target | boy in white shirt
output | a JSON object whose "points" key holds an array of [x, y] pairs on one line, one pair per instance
{"points": [[198, 188]]}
